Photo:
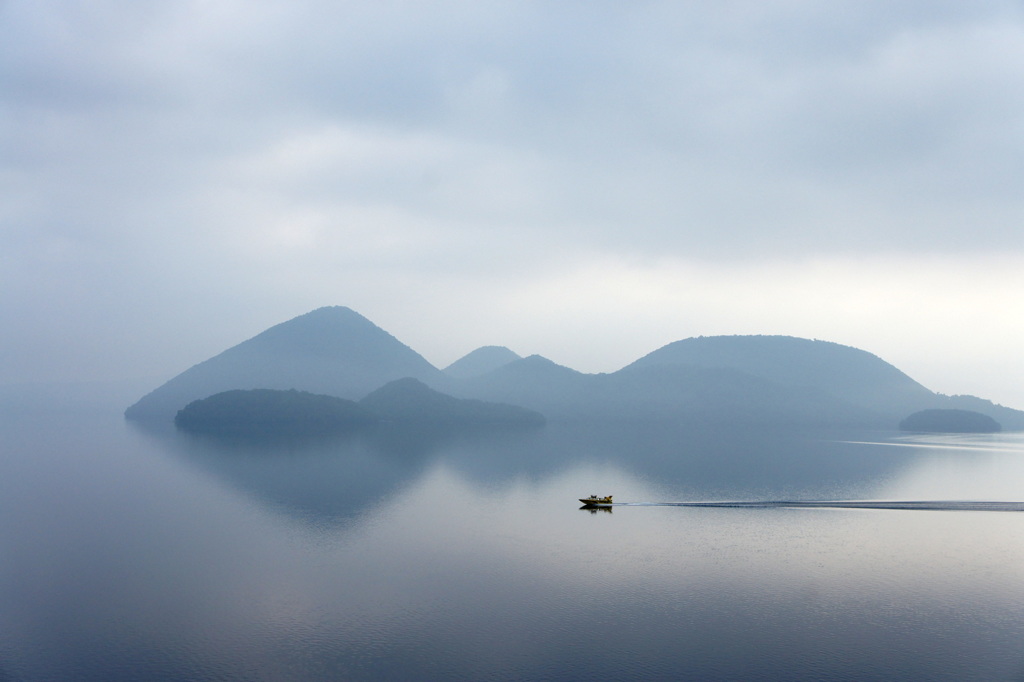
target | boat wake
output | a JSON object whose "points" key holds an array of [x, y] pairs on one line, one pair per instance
{"points": [[913, 505]]}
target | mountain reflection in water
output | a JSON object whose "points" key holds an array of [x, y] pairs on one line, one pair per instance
{"points": [[325, 479], [133, 554]]}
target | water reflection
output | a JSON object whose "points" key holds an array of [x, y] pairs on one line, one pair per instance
{"points": [[158, 556], [320, 481], [465, 582], [981, 467], [331, 480]]}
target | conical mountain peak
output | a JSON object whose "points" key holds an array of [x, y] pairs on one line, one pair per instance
{"points": [[481, 361], [333, 351]]}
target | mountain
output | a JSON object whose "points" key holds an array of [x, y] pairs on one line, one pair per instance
{"points": [[1008, 418], [853, 375], [481, 361], [333, 351], [722, 380], [681, 393], [533, 382], [724, 397], [861, 380], [410, 401]]}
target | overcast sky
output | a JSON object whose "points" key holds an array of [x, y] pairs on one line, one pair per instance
{"points": [[585, 180]]}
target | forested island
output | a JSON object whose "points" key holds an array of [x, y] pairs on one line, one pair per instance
{"points": [[402, 403], [950, 421], [410, 401], [269, 412]]}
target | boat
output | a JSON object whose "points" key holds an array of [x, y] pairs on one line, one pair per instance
{"points": [[595, 501]]}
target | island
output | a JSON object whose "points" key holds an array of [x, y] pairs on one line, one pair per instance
{"points": [[404, 403], [271, 412], [950, 421], [409, 401]]}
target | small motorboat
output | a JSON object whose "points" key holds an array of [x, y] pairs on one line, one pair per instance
{"points": [[595, 501]]}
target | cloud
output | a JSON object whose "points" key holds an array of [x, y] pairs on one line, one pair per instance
{"points": [[177, 176]]}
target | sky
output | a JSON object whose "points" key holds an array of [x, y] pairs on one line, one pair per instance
{"points": [[584, 180]]}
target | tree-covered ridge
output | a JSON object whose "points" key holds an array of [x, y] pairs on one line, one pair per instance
{"points": [[411, 401], [950, 421], [405, 402], [850, 374], [264, 411]]}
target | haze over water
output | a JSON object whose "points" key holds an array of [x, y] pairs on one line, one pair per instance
{"points": [[135, 554]]}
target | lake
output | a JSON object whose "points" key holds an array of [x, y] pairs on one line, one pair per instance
{"points": [[131, 553]]}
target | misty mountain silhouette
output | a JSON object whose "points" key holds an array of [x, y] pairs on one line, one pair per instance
{"points": [[534, 382], [411, 401], [725, 380], [855, 375], [333, 351], [841, 373], [704, 395], [481, 361]]}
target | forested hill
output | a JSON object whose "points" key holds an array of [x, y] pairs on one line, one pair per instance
{"points": [[845, 372], [401, 404], [268, 412], [410, 401], [842, 373]]}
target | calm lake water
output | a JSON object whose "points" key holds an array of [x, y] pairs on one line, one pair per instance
{"points": [[131, 554]]}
